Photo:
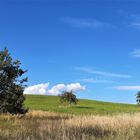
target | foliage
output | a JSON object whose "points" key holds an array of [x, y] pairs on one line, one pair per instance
{"points": [[11, 86], [138, 98], [68, 97]]}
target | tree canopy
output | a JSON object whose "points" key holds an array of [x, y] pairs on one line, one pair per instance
{"points": [[68, 97], [11, 85], [138, 98]]}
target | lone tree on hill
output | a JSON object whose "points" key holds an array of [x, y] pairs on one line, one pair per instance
{"points": [[138, 98], [11, 85], [68, 97]]}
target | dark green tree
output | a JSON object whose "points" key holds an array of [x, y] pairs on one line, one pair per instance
{"points": [[68, 97], [138, 98], [11, 85]]}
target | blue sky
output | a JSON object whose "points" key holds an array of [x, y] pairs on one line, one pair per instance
{"points": [[95, 44]]}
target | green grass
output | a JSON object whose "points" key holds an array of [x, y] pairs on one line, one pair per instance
{"points": [[52, 104]]}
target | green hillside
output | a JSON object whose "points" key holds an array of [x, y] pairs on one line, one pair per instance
{"points": [[51, 103]]}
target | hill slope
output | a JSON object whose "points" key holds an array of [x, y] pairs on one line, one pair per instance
{"points": [[51, 103]]}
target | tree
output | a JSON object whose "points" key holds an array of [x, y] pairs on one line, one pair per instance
{"points": [[11, 85], [138, 98], [68, 97]]}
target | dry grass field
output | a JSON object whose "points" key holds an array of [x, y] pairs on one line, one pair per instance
{"points": [[39, 125]]}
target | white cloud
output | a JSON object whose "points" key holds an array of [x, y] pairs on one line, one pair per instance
{"points": [[102, 73], [136, 53], [84, 23], [37, 89], [57, 89], [43, 89], [129, 88], [74, 87]]}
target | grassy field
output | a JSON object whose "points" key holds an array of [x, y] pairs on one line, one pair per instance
{"points": [[52, 104], [40, 125], [89, 120]]}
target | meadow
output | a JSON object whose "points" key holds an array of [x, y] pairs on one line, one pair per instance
{"points": [[89, 120], [39, 125], [52, 104]]}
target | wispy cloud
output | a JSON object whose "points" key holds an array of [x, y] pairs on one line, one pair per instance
{"points": [[127, 88], [136, 24], [84, 23], [102, 73], [136, 53], [134, 21], [91, 80]]}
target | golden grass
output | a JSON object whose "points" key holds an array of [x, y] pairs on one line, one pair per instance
{"points": [[39, 125]]}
